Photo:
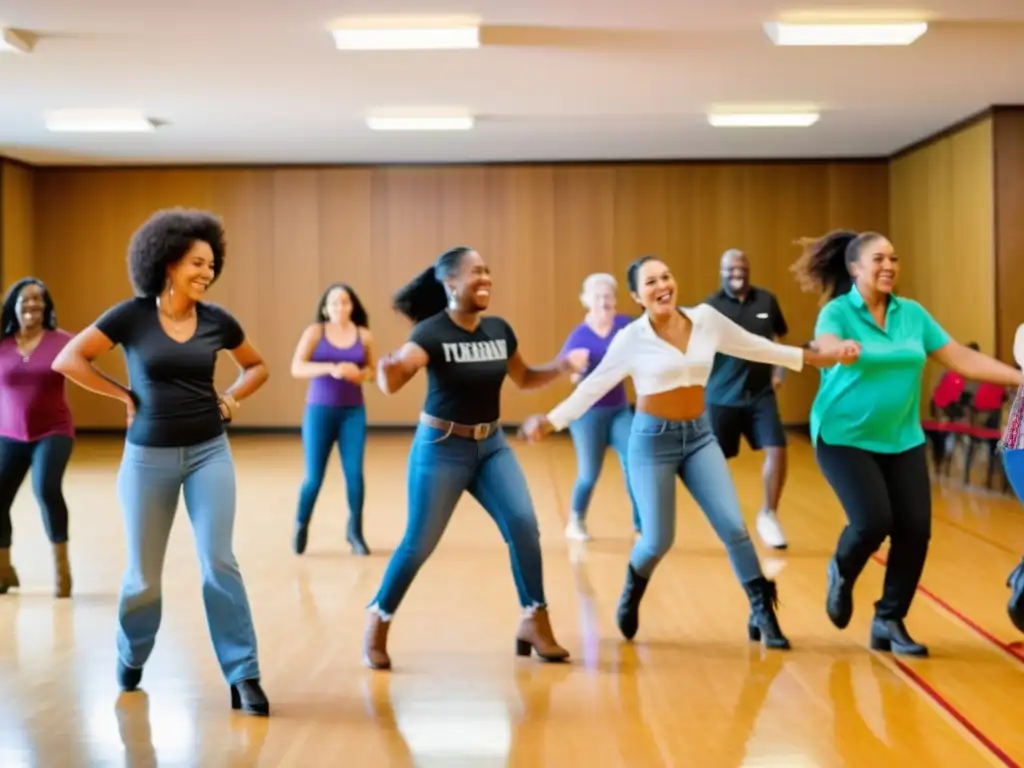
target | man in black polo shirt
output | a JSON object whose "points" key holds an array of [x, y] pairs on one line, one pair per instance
{"points": [[741, 394]]}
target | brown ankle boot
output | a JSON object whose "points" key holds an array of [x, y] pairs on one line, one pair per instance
{"points": [[8, 576], [375, 642], [535, 633], [63, 568]]}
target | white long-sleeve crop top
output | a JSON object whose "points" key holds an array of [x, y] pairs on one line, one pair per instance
{"points": [[656, 366]]}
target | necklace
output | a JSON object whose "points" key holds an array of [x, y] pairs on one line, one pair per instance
{"points": [[26, 350]]}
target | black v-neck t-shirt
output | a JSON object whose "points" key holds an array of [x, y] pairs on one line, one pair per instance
{"points": [[172, 381], [466, 370]]}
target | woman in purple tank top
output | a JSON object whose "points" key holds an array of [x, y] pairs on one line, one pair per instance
{"points": [[608, 422], [336, 354], [36, 431]]}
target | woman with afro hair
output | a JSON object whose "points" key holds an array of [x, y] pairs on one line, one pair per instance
{"points": [[176, 438], [36, 429]]}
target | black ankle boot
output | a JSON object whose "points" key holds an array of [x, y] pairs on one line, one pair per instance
{"points": [[628, 614], [763, 625], [128, 678], [300, 538], [839, 601], [892, 635], [249, 697], [354, 537], [1016, 605]]}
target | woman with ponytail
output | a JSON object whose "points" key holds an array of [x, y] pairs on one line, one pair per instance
{"points": [[459, 444], [866, 424]]}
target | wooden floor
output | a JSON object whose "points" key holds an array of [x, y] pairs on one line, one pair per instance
{"points": [[691, 691]]}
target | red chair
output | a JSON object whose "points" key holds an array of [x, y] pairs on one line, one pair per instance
{"points": [[947, 418], [985, 428]]}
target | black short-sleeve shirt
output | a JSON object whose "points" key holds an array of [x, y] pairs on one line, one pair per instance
{"points": [[172, 381], [466, 370], [734, 381]]}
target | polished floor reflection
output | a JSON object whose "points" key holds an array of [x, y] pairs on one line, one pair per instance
{"points": [[691, 691]]}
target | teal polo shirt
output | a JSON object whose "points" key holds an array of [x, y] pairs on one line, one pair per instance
{"points": [[875, 403]]}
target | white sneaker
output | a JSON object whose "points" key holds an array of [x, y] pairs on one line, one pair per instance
{"points": [[577, 529], [769, 530]]}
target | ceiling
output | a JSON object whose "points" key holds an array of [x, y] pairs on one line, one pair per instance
{"points": [[259, 81]]}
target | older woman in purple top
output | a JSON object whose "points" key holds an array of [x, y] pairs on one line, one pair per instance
{"points": [[36, 430], [336, 354], [608, 422]]}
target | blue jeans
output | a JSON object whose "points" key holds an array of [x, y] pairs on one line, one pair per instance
{"points": [[148, 484], [661, 450], [440, 469], [322, 427], [1013, 463], [592, 433]]}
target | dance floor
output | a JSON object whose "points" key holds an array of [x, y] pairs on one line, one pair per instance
{"points": [[691, 691]]}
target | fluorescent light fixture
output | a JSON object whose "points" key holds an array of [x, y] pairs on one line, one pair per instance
{"points": [[399, 33], [763, 119], [422, 123], [98, 121], [17, 42], [894, 33]]}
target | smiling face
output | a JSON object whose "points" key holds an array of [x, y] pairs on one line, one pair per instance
{"points": [[877, 267], [655, 289], [30, 307], [735, 270], [338, 305], [193, 273], [471, 283]]}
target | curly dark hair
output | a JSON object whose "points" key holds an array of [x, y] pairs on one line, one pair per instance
{"points": [[9, 323], [359, 316], [823, 267], [424, 296], [164, 239]]}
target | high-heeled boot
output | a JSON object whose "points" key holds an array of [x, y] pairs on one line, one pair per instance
{"points": [[1016, 605], [892, 635], [62, 567], [763, 625], [375, 641], [8, 576], [354, 536], [628, 613], [535, 633], [248, 696]]}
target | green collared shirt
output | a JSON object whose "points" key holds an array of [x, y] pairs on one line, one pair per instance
{"points": [[875, 403]]}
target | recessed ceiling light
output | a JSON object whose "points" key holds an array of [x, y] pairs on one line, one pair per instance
{"points": [[420, 123], [763, 119], [12, 40], [800, 33], [98, 121], [402, 33]]}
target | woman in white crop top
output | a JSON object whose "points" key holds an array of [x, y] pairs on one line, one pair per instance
{"points": [[668, 352]]}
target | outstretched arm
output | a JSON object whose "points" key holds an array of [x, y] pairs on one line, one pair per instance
{"points": [[534, 377], [977, 366], [609, 372], [738, 342]]}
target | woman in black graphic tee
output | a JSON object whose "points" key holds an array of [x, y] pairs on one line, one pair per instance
{"points": [[459, 445]]}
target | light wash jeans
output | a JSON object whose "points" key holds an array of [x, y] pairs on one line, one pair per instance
{"points": [[661, 450], [148, 485], [441, 467], [592, 434]]}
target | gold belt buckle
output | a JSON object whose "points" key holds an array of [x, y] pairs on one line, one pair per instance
{"points": [[481, 431]]}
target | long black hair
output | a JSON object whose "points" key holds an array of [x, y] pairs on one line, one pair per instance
{"points": [[359, 316], [9, 323], [424, 296], [824, 265]]}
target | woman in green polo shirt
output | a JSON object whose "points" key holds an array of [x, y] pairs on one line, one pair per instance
{"points": [[866, 424]]}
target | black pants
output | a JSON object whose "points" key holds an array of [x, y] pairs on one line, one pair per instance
{"points": [[757, 420], [47, 458], [883, 494]]}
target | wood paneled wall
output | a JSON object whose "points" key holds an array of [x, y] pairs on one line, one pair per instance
{"points": [[17, 222], [1009, 224], [542, 228], [942, 225]]}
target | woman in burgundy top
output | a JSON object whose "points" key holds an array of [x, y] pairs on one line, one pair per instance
{"points": [[36, 430]]}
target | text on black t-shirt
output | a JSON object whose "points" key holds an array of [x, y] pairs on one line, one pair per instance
{"points": [[172, 381], [466, 369]]}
